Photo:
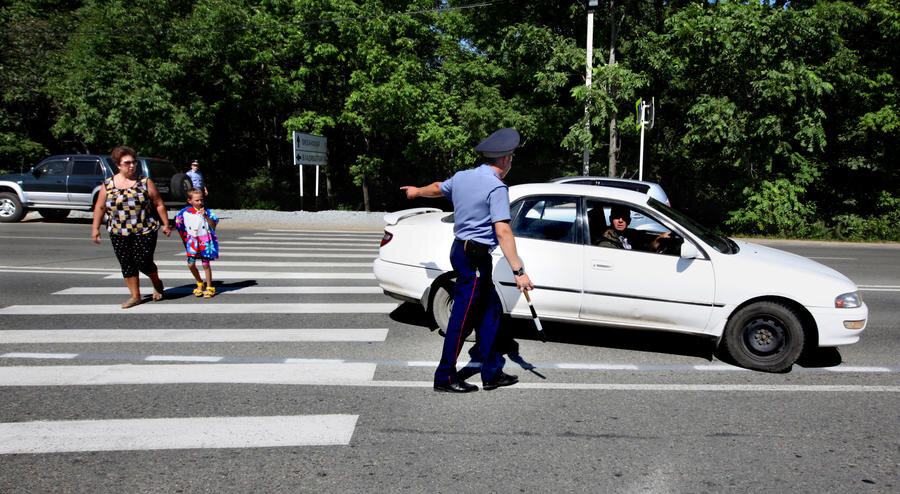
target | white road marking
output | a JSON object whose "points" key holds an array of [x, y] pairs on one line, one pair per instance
{"points": [[374, 242], [760, 388], [184, 274], [846, 369], [280, 253], [175, 433], [227, 290], [339, 232], [222, 373], [309, 233], [201, 308], [300, 246], [189, 335], [274, 264], [343, 374], [879, 288]]}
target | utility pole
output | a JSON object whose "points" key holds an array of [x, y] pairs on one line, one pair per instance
{"points": [[591, 7]]}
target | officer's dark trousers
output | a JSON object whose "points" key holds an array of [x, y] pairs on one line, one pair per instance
{"points": [[475, 304]]}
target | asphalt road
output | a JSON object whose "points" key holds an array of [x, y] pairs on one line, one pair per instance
{"points": [[301, 376]]}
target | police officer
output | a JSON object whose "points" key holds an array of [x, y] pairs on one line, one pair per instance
{"points": [[481, 222]]}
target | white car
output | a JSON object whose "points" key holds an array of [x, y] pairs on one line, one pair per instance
{"points": [[763, 305]]}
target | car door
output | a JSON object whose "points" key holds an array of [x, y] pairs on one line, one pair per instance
{"points": [[549, 242], [49, 183], [643, 287], [87, 173]]}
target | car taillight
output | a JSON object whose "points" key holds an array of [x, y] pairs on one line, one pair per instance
{"points": [[386, 238]]}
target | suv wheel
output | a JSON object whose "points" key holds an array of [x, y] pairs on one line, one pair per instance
{"points": [[54, 214], [11, 209], [181, 183]]}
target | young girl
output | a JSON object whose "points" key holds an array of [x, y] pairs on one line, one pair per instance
{"points": [[197, 226]]}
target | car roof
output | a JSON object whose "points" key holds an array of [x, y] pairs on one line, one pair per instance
{"points": [[596, 191], [653, 189]]}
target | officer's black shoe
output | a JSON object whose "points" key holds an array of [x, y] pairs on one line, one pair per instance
{"points": [[455, 387], [502, 379]]}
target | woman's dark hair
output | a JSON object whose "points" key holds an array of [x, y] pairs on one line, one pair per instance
{"points": [[121, 151]]}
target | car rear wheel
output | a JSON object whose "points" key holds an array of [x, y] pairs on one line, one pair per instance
{"points": [[441, 303], [11, 209], [54, 214], [766, 336]]}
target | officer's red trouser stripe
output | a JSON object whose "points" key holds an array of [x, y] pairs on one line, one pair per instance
{"points": [[465, 316]]}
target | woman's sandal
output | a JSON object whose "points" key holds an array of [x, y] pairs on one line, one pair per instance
{"points": [[131, 303], [210, 291], [158, 291], [198, 292]]}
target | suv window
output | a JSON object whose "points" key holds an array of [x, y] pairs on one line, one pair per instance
{"points": [[87, 167], [51, 168], [546, 218]]}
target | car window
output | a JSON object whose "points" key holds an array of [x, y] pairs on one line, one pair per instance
{"points": [[87, 167], [51, 168], [648, 236], [546, 218]]}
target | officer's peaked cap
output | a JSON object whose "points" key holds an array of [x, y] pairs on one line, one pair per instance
{"points": [[501, 143]]}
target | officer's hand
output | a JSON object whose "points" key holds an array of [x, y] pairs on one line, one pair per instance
{"points": [[524, 282], [95, 235], [411, 192]]}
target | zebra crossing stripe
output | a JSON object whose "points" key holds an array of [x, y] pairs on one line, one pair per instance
{"points": [[227, 290], [10, 336], [265, 244], [339, 232], [184, 274], [202, 308], [299, 373], [175, 433], [272, 264], [280, 253]]}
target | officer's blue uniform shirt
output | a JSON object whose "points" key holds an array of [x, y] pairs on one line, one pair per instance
{"points": [[196, 178], [480, 199]]}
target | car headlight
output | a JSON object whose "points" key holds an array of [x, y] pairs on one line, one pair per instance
{"points": [[848, 301]]}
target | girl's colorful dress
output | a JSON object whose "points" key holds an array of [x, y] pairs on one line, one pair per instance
{"points": [[199, 239]]}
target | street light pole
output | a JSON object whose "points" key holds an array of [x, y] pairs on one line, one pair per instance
{"points": [[591, 6]]}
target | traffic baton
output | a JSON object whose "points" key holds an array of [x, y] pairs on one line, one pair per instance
{"points": [[534, 316]]}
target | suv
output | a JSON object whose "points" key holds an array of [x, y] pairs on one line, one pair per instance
{"points": [[651, 189], [62, 183]]}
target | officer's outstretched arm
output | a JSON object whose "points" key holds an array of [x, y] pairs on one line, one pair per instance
{"points": [[432, 190], [508, 245]]}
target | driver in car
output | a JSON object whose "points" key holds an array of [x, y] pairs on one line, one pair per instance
{"points": [[620, 236]]}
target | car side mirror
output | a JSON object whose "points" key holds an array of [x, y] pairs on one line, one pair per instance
{"points": [[36, 171], [690, 251]]}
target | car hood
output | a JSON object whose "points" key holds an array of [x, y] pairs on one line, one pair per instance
{"points": [[767, 271]]}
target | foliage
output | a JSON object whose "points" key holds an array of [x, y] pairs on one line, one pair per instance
{"points": [[772, 118], [775, 208]]}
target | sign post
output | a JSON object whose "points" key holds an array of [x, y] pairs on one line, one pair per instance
{"points": [[642, 120], [310, 150]]}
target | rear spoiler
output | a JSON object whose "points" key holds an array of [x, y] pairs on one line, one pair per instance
{"points": [[395, 217]]}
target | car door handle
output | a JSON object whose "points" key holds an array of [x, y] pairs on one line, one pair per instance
{"points": [[601, 265]]}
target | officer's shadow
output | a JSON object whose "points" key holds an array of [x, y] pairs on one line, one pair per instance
{"points": [[507, 346]]}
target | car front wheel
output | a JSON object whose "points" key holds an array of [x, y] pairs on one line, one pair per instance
{"points": [[11, 209], [765, 336]]}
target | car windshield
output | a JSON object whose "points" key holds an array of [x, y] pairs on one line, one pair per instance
{"points": [[722, 244]]}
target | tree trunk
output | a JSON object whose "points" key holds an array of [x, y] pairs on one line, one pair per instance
{"points": [[611, 92]]}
